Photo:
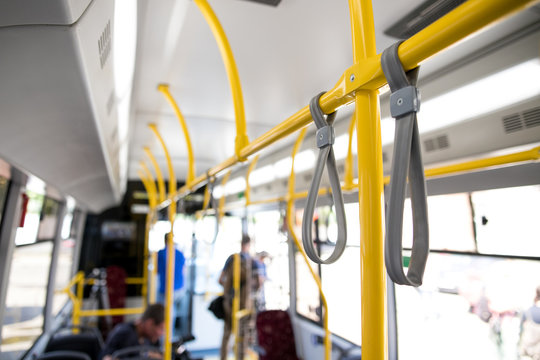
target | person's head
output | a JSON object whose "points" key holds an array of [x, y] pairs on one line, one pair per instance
{"points": [[246, 243], [537, 298], [151, 322]]}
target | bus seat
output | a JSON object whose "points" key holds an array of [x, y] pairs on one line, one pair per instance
{"points": [[117, 290], [139, 352], [87, 341], [64, 355], [275, 336]]}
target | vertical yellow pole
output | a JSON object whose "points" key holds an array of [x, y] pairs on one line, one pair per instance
{"points": [[236, 303], [370, 192], [170, 248], [78, 304], [161, 183]]}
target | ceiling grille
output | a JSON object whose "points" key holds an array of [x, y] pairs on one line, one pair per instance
{"points": [[532, 117], [436, 143], [520, 121]]}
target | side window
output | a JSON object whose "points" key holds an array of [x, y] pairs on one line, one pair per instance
{"points": [[27, 286], [308, 300], [272, 252], [4, 185]]}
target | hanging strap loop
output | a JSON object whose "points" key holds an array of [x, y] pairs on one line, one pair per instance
{"points": [[404, 103], [325, 140]]}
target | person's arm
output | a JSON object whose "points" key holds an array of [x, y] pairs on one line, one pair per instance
{"points": [[223, 275]]}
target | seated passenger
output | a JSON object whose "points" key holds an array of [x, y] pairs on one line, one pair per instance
{"points": [[145, 331]]}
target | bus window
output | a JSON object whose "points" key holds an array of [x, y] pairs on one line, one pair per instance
{"points": [[450, 223], [64, 271], [507, 221], [264, 228], [4, 185], [28, 232], [308, 301], [344, 311], [25, 299], [469, 307]]}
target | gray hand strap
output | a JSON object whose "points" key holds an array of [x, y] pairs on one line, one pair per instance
{"points": [[404, 103], [325, 140]]}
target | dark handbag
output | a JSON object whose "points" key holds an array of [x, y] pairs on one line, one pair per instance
{"points": [[216, 307]]}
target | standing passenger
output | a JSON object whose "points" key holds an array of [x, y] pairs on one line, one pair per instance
{"points": [[248, 287]]}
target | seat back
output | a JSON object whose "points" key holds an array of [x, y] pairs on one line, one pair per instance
{"points": [[275, 335], [87, 341], [63, 355]]}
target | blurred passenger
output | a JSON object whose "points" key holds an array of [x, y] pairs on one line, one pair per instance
{"points": [[260, 299], [145, 331], [178, 295], [250, 282], [530, 330]]}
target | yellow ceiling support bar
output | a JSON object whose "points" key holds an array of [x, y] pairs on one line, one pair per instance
{"points": [[164, 88], [232, 72], [367, 74], [349, 166], [290, 225], [370, 192], [248, 172], [159, 175], [170, 247], [527, 155]]}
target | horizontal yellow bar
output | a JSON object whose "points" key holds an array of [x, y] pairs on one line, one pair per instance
{"points": [[112, 312], [528, 155], [135, 281], [455, 26]]}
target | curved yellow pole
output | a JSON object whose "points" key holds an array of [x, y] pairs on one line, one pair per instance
{"points": [[151, 188], [349, 176], [220, 211], [164, 88], [159, 175], [232, 72], [170, 248], [290, 225], [370, 192], [248, 188]]}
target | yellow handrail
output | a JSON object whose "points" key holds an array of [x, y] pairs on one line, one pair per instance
{"points": [[164, 88], [161, 183], [368, 74], [151, 188], [252, 166], [170, 247], [236, 302], [370, 191], [290, 226], [232, 72]]}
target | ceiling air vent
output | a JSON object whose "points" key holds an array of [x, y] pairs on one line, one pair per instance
{"points": [[436, 143], [520, 121], [104, 44], [531, 117], [422, 16], [512, 123]]}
